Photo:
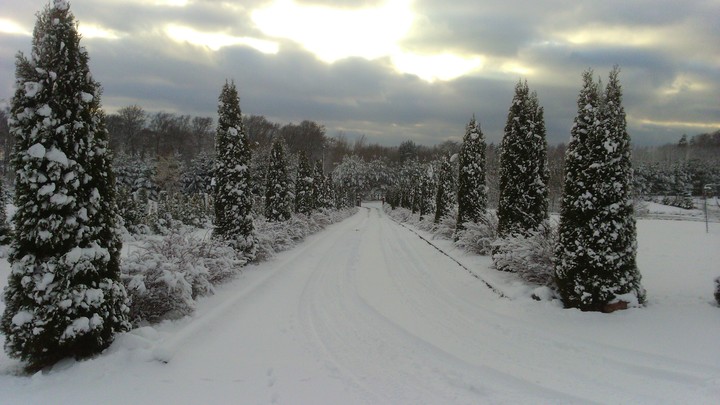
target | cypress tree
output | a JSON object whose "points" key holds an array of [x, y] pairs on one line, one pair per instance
{"points": [[304, 186], [471, 194], [233, 197], [64, 297], [523, 202], [596, 265], [278, 196], [445, 197]]}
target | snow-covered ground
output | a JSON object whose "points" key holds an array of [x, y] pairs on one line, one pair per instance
{"points": [[366, 312]]}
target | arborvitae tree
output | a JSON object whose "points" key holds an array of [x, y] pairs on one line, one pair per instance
{"points": [[322, 192], [445, 197], [471, 194], [304, 186], [5, 230], [233, 199], [523, 203], [427, 191], [597, 245], [278, 196], [64, 296]]}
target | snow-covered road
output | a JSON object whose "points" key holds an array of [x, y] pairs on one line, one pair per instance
{"points": [[367, 313]]}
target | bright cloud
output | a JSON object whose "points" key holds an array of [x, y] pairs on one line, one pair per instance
{"points": [[217, 40], [626, 36], [333, 34], [436, 67], [96, 31], [11, 27], [701, 126]]}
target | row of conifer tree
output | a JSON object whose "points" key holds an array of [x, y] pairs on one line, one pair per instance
{"points": [[64, 296], [595, 266]]}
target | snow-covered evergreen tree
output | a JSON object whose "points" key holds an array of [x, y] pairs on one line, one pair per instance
{"points": [[426, 204], [233, 198], [304, 186], [471, 194], [5, 230], [197, 176], [64, 296], [278, 195], [523, 203], [596, 265], [445, 196], [322, 191]]}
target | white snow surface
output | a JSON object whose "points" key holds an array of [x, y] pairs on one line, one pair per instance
{"points": [[366, 312]]}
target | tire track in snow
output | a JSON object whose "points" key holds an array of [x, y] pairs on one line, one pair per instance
{"points": [[472, 273], [361, 317]]}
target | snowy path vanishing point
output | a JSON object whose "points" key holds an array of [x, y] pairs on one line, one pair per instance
{"points": [[367, 313]]}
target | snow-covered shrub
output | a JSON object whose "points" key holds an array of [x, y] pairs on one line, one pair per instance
{"points": [[445, 228], [684, 202], [478, 237], [717, 290], [165, 277], [274, 237], [530, 256]]}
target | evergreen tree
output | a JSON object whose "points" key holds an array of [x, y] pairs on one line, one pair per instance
{"points": [[596, 263], [5, 231], [427, 188], [196, 178], [523, 203], [445, 197], [304, 186], [278, 196], [471, 194], [64, 296], [322, 191], [233, 199]]}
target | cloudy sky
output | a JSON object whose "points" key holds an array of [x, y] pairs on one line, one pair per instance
{"points": [[394, 70]]}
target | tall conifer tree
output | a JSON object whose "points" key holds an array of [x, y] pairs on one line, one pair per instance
{"points": [[304, 186], [523, 203], [64, 296], [322, 191], [445, 197], [5, 230], [278, 196], [471, 194], [596, 252], [233, 196]]}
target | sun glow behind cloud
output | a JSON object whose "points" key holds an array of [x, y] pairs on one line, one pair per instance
{"points": [[333, 34], [435, 67], [11, 27], [217, 40]]}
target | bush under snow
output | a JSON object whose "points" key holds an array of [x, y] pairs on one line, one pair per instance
{"points": [[164, 278], [530, 256], [478, 238]]}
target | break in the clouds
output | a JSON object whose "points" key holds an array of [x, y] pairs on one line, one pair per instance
{"points": [[397, 69]]}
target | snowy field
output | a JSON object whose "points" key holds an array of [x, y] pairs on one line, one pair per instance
{"points": [[366, 312]]}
